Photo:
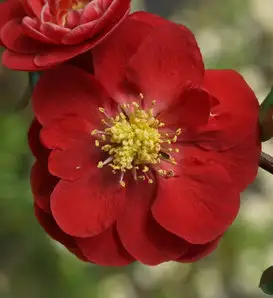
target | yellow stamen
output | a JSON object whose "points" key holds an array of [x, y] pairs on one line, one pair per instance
{"points": [[133, 141], [122, 183], [100, 164], [94, 132], [145, 169]]}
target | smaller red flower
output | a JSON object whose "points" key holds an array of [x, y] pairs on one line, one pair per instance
{"points": [[39, 34], [145, 160]]}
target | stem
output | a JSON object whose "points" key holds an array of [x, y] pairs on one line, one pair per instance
{"points": [[266, 162]]}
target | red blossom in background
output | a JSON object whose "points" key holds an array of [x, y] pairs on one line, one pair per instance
{"points": [[145, 160], [39, 34]]}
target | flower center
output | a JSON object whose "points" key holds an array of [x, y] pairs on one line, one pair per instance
{"points": [[77, 5], [134, 142]]}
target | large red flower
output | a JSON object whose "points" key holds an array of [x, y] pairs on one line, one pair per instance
{"points": [[39, 34], [146, 160]]}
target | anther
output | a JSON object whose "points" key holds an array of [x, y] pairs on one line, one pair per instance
{"points": [[100, 164], [178, 131], [174, 139], [121, 182], [136, 105], [170, 173], [145, 169]]}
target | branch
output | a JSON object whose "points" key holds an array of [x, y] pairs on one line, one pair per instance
{"points": [[266, 162]]}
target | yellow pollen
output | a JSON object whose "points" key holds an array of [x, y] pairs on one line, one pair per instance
{"points": [[100, 164], [145, 169], [78, 5], [134, 142], [122, 183], [178, 131]]}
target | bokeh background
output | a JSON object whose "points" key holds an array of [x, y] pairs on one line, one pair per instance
{"points": [[232, 34]]}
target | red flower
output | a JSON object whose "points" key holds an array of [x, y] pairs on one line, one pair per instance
{"points": [[146, 160], [39, 34]]}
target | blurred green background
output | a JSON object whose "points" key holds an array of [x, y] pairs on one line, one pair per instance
{"points": [[232, 34]]}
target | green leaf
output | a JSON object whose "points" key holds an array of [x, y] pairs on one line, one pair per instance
{"points": [[266, 117], [266, 282]]}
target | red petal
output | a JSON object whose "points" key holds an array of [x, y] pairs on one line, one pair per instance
{"points": [[165, 62], [140, 234], [61, 53], [68, 90], [37, 149], [73, 18], [109, 20], [88, 206], [53, 31], [10, 9], [16, 61], [75, 155], [111, 57], [91, 13], [192, 108], [13, 37], [66, 133], [74, 148], [148, 18], [199, 251], [235, 117], [199, 205], [50, 226], [42, 184], [105, 249], [241, 161], [31, 28], [33, 8]]}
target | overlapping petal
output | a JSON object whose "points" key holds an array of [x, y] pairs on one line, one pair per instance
{"points": [[191, 109], [68, 90], [199, 205], [38, 35], [168, 59], [87, 206], [111, 57], [140, 234], [234, 118], [198, 251], [105, 249], [11, 9]]}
